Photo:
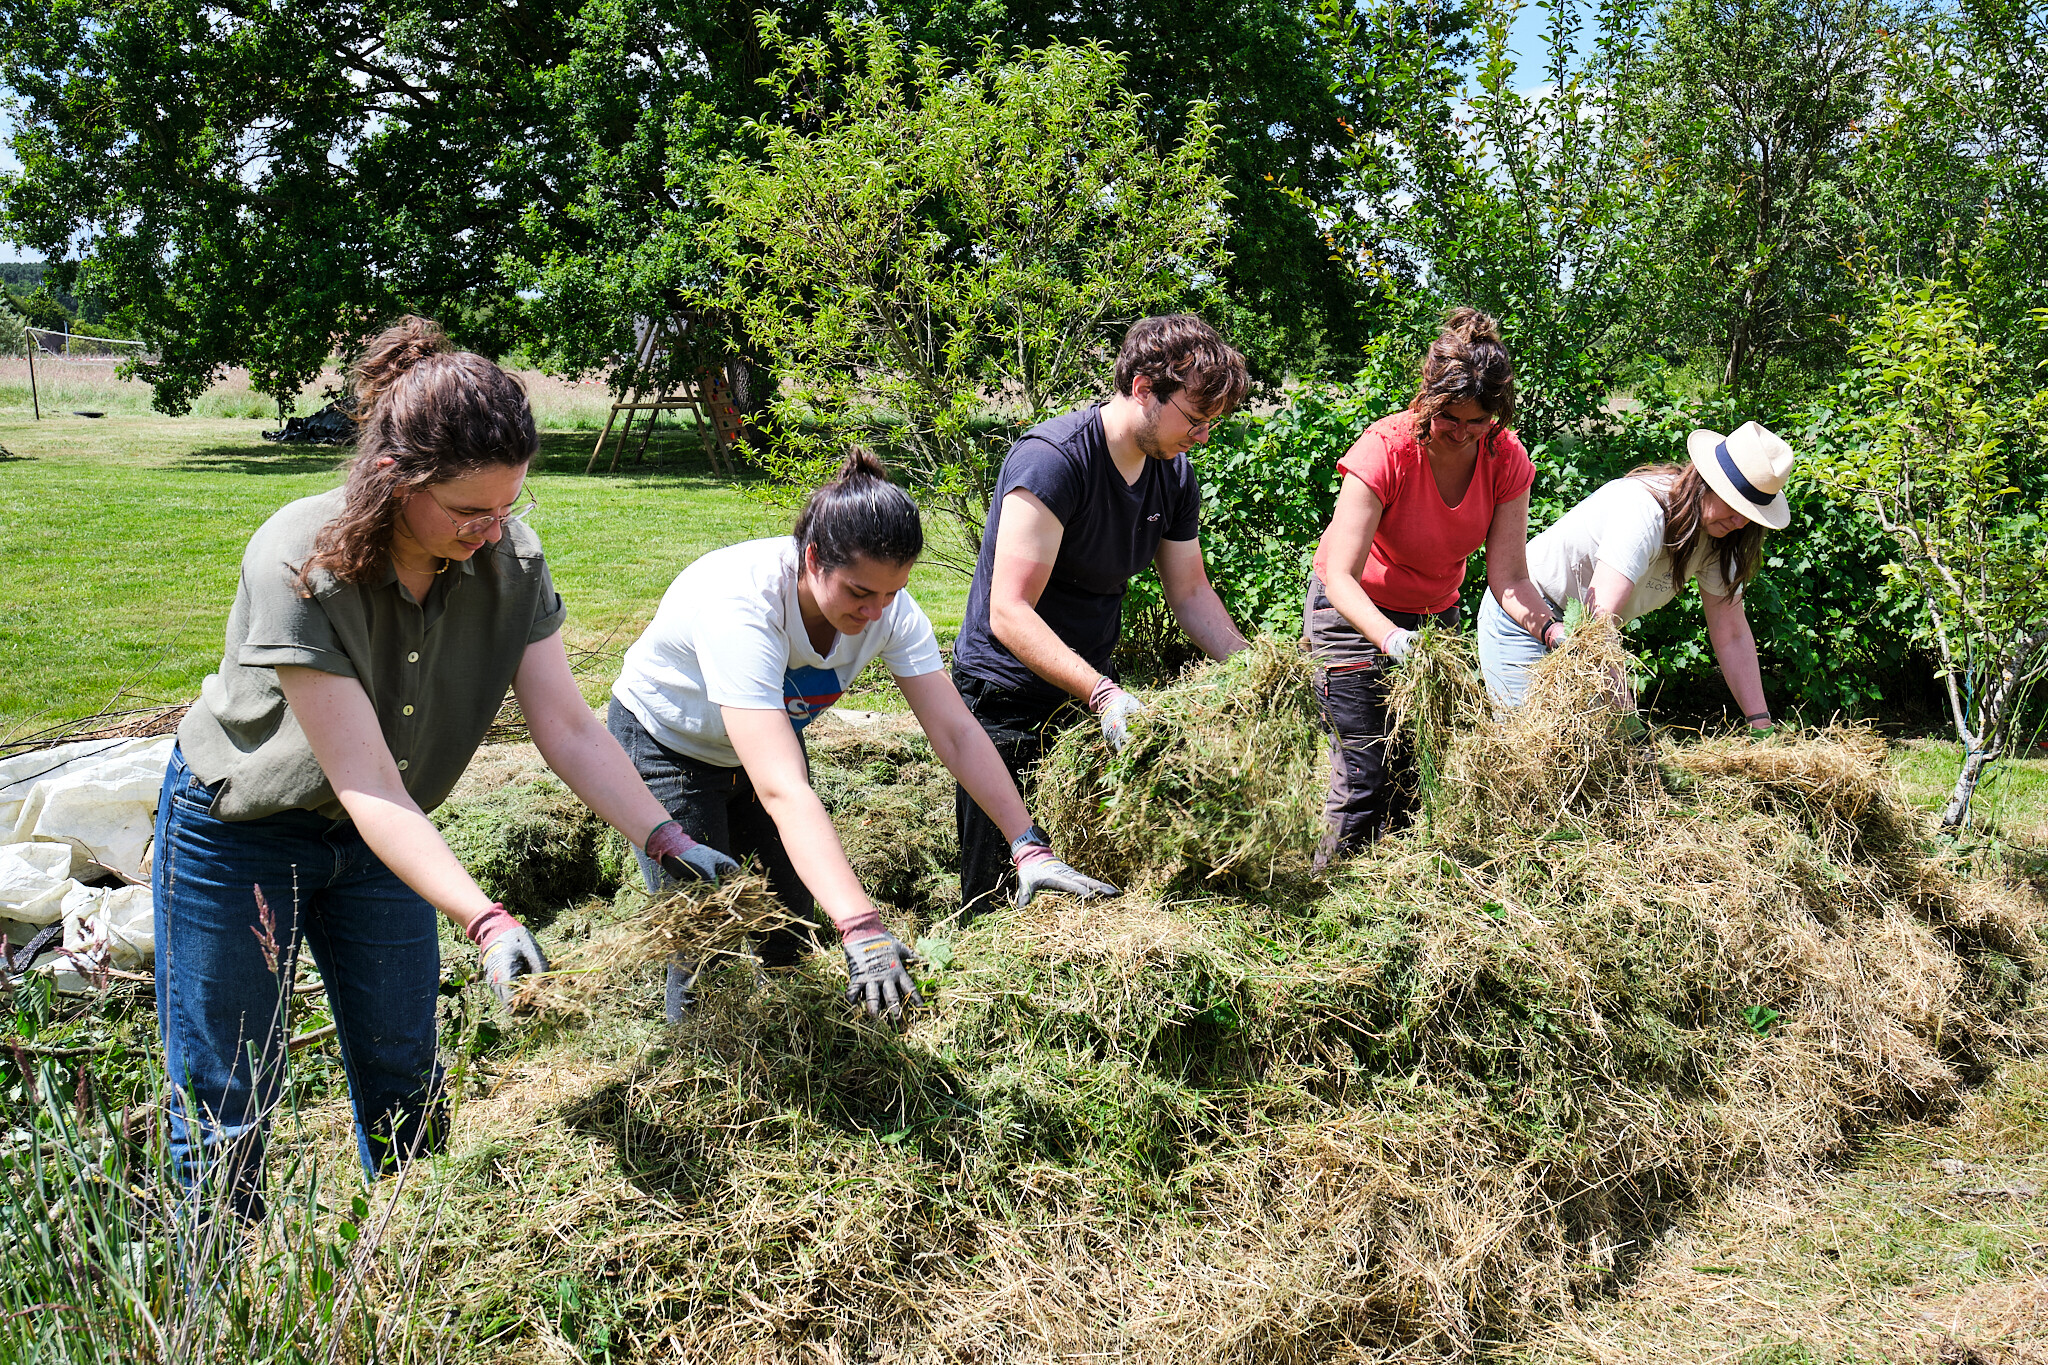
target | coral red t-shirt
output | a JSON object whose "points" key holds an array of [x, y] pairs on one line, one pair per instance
{"points": [[1417, 560]]}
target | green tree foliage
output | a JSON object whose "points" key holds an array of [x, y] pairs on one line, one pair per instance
{"points": [[1497, 186], [934, 257], [1952, 458], [1748, 113]]}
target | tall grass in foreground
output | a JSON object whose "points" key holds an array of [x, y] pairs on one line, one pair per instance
{"points": [[102, 1265]]}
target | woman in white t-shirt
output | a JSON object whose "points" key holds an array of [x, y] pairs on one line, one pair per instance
{"points": [[753, 642], [1632, 546]]}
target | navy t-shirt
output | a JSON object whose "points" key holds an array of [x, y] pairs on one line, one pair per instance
{"points": [[1112, 531]]}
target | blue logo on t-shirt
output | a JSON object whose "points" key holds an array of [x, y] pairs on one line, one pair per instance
{"points": [[807, 691]]}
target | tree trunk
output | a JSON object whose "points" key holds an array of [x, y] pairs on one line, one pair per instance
{"points": [[1975, 761]]}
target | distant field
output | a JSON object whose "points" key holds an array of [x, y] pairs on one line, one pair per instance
{"points": [[120, 539]]}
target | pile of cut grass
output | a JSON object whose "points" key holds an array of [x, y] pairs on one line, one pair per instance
{"points": [[1219, 787], [1416, 1109]]}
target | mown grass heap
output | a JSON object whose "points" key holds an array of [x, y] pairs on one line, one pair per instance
{"points": [[1218, 788], [1390, 1116]]}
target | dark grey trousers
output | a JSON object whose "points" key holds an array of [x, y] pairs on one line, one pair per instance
{"points": [[717, 806], [1371, 788]]}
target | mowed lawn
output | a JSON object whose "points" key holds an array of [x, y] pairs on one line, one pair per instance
{"points": [[121, 538]]}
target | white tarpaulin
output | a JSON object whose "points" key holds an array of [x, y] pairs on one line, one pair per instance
{"points": [[77, 811], [98, 796]]}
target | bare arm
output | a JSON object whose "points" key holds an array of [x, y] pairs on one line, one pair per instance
{"points": [[1507, 568], [1027, 545], [1735, 650], [774, 759], [342, 728], [577, 747], [1194, 602], [1346, 543], [1610, 589], [964, 747]]}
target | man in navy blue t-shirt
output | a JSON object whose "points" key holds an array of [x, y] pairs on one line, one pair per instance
{"points": [[1084, 502]]}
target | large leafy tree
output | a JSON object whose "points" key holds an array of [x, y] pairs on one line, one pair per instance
{"points": [[934, 256], [259, 183]]}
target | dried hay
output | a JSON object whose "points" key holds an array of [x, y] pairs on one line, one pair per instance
{"points": [[697, 923], [1218, 788], [1463, 1087]]}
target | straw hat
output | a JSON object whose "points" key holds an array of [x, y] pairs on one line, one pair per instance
{"points": [[1748, 467]]}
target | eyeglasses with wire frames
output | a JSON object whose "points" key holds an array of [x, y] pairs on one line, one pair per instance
{"points": [[470, 527], [1195, 428]]}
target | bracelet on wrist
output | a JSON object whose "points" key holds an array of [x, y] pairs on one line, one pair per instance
{"points": [[1759, 718], [1032, 837]]}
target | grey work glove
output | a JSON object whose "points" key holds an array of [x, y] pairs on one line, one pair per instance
{"points": [[1039, 869], [1397, 644], [507, 949], [877, 972], [683, 858], [1116, 707]]}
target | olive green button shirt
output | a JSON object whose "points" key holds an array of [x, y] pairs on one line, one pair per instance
{"points": [[436, 672]]}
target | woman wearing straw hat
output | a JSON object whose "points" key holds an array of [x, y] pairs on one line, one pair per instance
{"points": [[1422, 489], [1630, 548]]}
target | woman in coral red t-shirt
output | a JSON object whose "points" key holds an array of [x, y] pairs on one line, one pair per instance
{"points": [[1422, 490]]}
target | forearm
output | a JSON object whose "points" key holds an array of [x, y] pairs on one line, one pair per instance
{"points": [[819, 859], [406, 842], [585, 756], [1207, 621], [975, 765], [1350, 600], [1023, 632], [1524, 605], [1735, 650]]}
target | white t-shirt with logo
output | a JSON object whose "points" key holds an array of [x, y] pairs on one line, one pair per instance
{"points": [[1622, 526], [730, 632]]}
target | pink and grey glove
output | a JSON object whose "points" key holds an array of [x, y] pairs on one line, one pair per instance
{"points": [[1039, 869], [878, 968], [1116, 707], [683, 858], [507, 949]]}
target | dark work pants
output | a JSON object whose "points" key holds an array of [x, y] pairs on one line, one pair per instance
{"points": [[1021, 727], [1371, 787], [716, 806]]}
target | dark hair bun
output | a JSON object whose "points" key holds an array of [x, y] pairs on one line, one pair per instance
{"points": [[860, 515]]}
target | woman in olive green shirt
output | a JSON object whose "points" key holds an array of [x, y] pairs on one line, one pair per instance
{"points": [[372, 639]]}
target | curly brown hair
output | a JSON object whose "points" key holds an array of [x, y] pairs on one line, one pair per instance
{"points": [[1680, 488], [1467, 361], [1180, 351], [425, 413]]}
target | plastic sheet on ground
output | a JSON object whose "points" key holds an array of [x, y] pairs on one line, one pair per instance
{"points": [[98, 796]]}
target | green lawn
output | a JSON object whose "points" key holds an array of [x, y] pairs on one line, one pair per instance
{"points": [[120, 539]]}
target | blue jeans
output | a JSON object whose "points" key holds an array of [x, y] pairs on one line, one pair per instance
{"points": [[224, 978], [1506, 653]]}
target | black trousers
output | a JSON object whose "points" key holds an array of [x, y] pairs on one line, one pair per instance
{"points": [[1022, 727], [717, 806], [1371, 786]]}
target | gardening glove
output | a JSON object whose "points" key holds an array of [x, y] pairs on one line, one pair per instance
{"points": [[683, 858], [508, 950], [877, 975], [1038, 869], [1397, 644], [1116, 707]]}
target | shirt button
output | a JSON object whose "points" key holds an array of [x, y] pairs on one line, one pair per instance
{"points": [[413, 657], [408, 710], [401, 765]]}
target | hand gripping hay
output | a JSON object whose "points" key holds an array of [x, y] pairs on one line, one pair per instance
{"points": [[696, 922], [1221, 783]]}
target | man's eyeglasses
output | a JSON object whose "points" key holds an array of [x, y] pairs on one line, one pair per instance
{"points": [[1195, 428], [481, 526]]}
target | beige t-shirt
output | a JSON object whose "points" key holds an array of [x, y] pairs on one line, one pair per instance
{"points": [[436, 671], [1622, 526]]}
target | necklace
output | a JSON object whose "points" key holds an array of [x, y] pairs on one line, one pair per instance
{"points": [[407, 568]]}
